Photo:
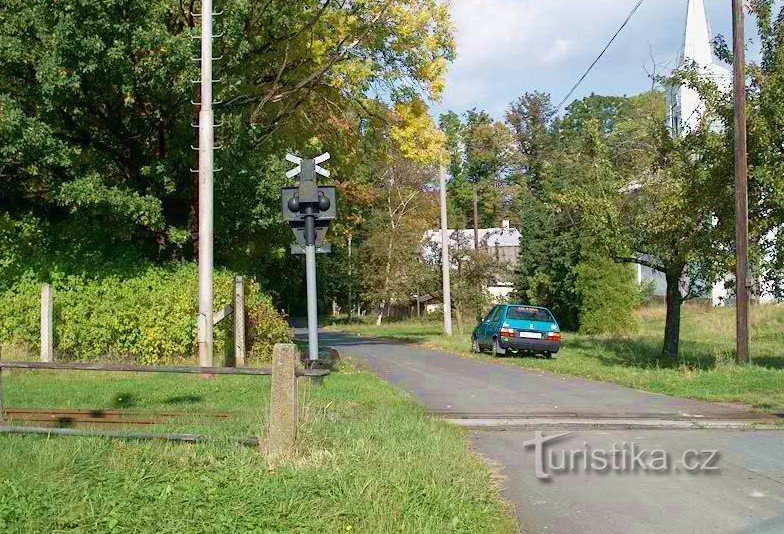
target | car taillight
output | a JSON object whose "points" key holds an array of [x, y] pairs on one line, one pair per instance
{"points": [[554, 336], [507, 332]]}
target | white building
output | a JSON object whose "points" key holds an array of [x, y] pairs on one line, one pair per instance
{"points": [[502, 243], [687, 112]]}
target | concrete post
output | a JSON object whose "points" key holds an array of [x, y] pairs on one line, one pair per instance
{"points": [[47, 326], [445, 262], [239, 321], [282, 432], [206, 147]]}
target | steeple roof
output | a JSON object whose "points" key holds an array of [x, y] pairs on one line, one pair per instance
{"points": [[698, 40]]}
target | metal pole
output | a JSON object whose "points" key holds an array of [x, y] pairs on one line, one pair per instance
{"points": [[206, 140], [445, 263], [741, 183], [310, 278]]}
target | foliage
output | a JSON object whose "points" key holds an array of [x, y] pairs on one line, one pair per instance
{"points": [[607, 296], [148, 317], [473, 272], [95, 113], [392, 262], [266, 328], [481, 160]]}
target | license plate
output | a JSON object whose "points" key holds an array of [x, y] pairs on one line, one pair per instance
{"points": [[531, 335]]}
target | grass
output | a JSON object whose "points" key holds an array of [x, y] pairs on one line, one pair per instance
{"points": [[369, 461], [704, 370]]}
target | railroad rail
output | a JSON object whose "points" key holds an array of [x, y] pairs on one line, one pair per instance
{"points": [[51, 422]]}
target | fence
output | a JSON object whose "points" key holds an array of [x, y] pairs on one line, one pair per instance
{"points": [[282, 431]]}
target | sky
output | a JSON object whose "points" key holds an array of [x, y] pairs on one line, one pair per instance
{"points": [[508, 47]]}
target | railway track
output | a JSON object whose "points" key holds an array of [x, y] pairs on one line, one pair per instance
{"points": [[71, 418]]}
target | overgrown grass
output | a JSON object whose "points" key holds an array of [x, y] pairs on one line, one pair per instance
{"points": [[704, 370], [369, 461]]}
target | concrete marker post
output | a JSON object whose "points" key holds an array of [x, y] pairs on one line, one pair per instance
{"points": [[239, 321], [284, 408], [47, 324]]}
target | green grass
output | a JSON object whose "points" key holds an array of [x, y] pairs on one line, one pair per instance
{"points": [[704, 370], [369, 460]]}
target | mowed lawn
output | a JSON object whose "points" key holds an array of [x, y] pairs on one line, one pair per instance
{"points": [[704, 370], [369, 461]]}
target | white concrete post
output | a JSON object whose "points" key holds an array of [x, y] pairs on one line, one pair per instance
{"points": [[206, 140], [445, 263], [239, 321], [47, 325]]}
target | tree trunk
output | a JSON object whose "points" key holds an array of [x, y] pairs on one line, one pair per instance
{"points": [[672, 325]]}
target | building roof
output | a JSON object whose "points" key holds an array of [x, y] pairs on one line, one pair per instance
{"points": [[488, 237]]}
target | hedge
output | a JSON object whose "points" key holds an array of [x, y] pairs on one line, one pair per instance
{"points": [[148, 317]]}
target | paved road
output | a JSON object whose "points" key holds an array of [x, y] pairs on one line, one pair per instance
{"points": [[745, 495]]}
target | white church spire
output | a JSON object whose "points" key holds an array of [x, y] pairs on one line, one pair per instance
{"points": [[698, 46], [685, 107]]}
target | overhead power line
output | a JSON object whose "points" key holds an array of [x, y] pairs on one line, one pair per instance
{"points": [[600, 56]]}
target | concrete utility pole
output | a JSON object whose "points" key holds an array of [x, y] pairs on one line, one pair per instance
{"points": [[445, 263], [206, 158], [741, 183]]}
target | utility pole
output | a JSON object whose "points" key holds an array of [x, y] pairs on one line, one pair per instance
{"points": [[206, 158], [741, 183], [476, 219], [445, 263]]}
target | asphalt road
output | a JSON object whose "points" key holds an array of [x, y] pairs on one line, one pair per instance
{"points": [[743, 492]]}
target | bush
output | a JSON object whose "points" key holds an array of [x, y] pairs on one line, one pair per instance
{"points": [[608, 294], [148, 317]]}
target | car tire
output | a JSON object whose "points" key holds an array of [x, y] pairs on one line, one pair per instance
{"points": [[497, 350], [475, 347]]}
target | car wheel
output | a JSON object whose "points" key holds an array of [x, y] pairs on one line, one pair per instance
{"points": [[497, 350], [475, 348], [548, 355]]}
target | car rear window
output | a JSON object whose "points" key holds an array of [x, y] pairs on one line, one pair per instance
{"points": [[526, 313]]}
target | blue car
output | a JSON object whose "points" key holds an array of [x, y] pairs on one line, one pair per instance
{"points": [[518, 328]]}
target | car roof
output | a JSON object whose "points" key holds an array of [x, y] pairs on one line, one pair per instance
{"points": [[525, 306]]}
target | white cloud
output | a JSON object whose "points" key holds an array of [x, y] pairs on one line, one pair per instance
{"points": [[508, 47]]}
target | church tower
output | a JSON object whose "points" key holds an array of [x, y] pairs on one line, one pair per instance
{"points": [[685, 108]]}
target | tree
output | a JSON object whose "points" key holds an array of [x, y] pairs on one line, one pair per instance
{"points": [[391, 254], [95, 112], [530, 118], [654, 211]]}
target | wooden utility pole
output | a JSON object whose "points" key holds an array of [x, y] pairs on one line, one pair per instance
{"points": [[741, 182], [445, 262], [476, 219]]}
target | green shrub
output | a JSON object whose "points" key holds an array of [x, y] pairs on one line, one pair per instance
{"points": [[608, 294], [148, 317]]}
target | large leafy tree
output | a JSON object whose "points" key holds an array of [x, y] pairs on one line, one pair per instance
{"points": [[95, 110]]}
